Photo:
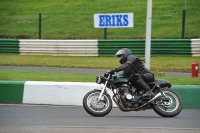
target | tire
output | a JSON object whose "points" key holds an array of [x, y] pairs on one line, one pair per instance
{"points": [[94, 108], [169, 108]]}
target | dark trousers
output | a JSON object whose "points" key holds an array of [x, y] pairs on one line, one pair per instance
{"points": [[141, 79]]}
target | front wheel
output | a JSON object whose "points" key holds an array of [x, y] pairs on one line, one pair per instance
{"points": [[95, 108], [168, 106]]}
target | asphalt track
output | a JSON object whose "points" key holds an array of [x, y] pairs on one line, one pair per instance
{"points": [[78, 70], [60, 119]]}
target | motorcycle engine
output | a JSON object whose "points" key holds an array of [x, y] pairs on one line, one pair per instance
{"points": [[128, 95], [128, 92]]}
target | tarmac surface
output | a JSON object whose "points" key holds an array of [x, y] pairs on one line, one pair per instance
{"points": [[80, 70], [66, 119]]}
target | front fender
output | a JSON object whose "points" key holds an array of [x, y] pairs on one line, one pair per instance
{"points": [[98, 90], [103, 93]]}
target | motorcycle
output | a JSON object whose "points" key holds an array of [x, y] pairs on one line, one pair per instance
{"points": [[128, 97]]}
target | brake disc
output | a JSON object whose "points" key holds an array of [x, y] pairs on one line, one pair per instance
{"points": [[97, 105], [168, 103]]}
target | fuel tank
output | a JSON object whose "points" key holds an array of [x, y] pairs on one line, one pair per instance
{"points": [[121, 78]]}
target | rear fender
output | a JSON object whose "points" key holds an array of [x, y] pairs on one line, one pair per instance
{"points": [[162, 83]]}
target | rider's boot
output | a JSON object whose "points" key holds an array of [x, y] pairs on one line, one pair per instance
{"points": [[136, 79], [148, 93], [145, 87]]}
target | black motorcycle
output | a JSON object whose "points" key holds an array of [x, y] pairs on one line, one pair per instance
{"points": [[128, 97]]}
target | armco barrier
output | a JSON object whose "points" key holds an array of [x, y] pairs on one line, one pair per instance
{"points": [[9, 46], [72, 93], [159, 47], [59, 47], [195, 47]]}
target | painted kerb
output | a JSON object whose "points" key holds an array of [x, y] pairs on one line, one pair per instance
{"points": [[72, 93], [11, 91], [189, 95]]}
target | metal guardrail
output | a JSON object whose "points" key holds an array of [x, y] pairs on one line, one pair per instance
{"points": [[195, 45], [9, 46], [159, 47], [59, 47]]}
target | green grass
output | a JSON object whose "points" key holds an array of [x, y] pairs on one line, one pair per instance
{"points": [[158, 64], [73, 19], [21, 75]]}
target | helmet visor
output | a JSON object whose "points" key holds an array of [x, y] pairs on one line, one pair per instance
{"points": [[120, 53]]}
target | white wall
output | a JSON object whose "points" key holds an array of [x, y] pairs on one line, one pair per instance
{"points": [[57, 93]]}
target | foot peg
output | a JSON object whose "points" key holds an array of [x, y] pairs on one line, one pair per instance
{"points": [[148, 94]]}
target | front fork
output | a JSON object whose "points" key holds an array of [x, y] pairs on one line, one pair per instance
{"points": [[104, 88]]}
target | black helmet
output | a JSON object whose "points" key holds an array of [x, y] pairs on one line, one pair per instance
{"points": [[125, 52]]}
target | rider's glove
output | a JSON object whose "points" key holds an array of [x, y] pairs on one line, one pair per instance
{"points": [[112, 72]]}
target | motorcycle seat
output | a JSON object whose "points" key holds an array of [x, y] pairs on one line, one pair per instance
{"points": [[161, 83]]}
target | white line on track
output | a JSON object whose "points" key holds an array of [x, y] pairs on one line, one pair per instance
{"points": [[106, 127]]}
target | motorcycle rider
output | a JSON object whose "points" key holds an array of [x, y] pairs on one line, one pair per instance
{"points": [[130, 65]]}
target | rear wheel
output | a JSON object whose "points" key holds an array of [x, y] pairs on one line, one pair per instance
{"points": [[168, 106], [95, 108]]}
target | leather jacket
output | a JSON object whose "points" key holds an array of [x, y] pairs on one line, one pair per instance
{"points": [[131, 65]]}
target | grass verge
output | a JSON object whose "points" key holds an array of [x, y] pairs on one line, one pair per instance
{"points": [[158, 64], [21, 75]]}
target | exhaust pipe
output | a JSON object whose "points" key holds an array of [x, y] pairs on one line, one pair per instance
{"points": [[158, 95], [154, 98]]}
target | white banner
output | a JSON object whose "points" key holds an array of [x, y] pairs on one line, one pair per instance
{"points": [[114, 20]]}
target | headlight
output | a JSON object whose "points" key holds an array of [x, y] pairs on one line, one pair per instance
{"points": [[98, 79]]}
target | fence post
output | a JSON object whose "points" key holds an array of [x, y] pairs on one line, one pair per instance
{"points": [[40, 25], [183, 24], [105, 33]]}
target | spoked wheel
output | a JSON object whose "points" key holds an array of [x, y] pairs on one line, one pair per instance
{"points": [[95, 108], [168, 106]]}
